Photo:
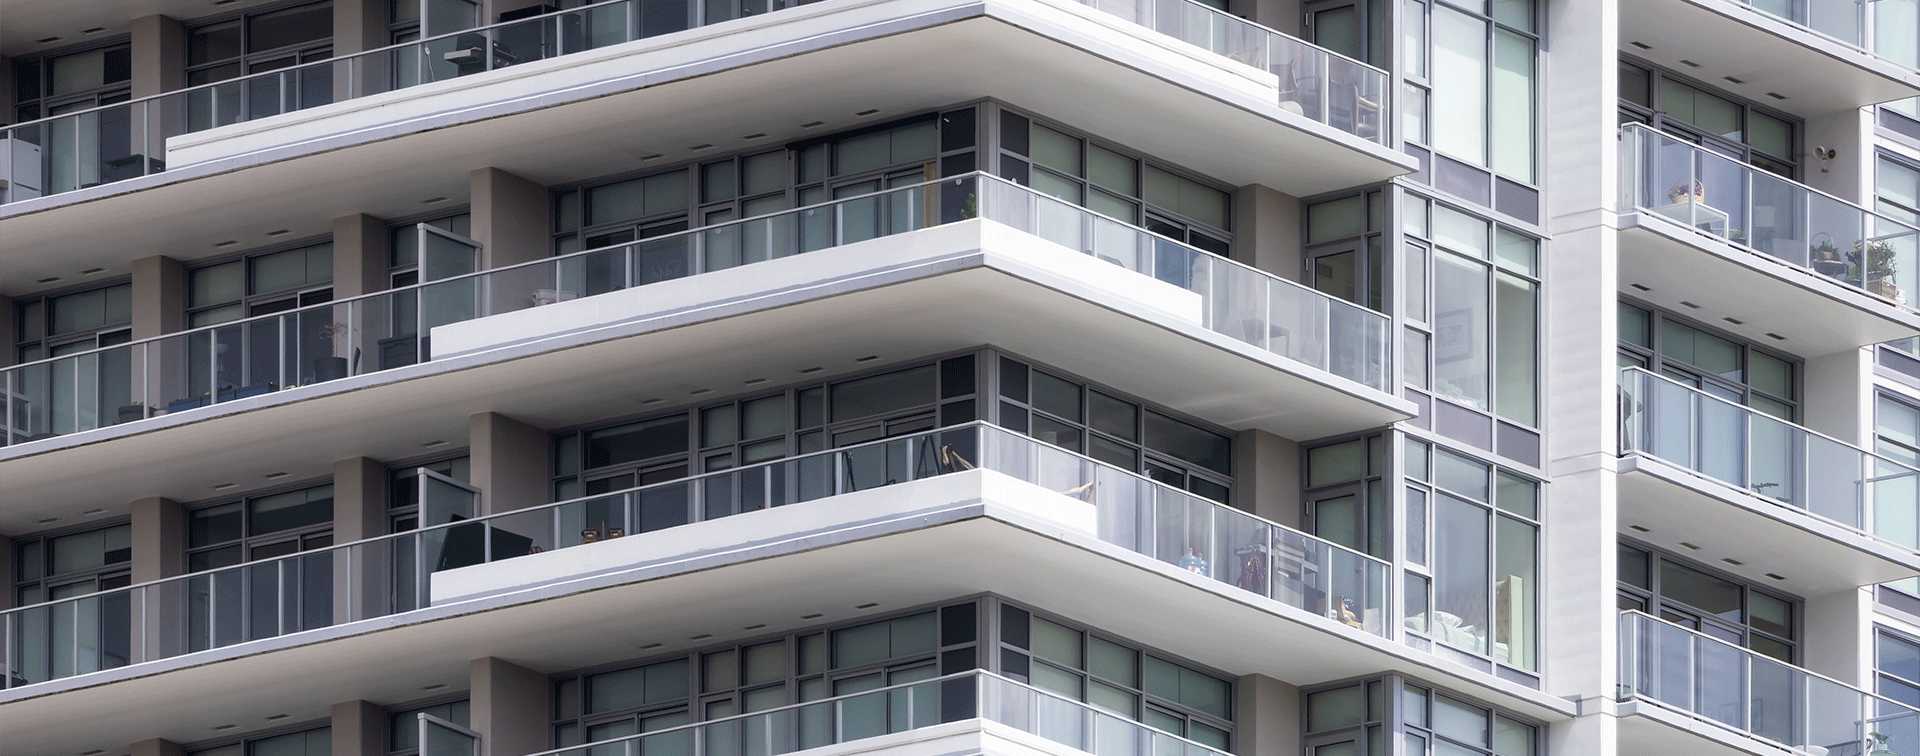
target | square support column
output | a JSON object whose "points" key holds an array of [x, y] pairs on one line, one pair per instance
{"points": [[157, 747], [360, 512], [1268, 715], [1267, 231], [510, 217], [159, 55], [509, 462], [159, 551], [359, 729], [1267, 476], [509, 707]]}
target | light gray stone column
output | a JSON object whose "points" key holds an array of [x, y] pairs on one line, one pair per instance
{"points": [[509, 462], [359, 25], [157, 747], [159, 55], [359, 729], [360, 512], [1266, 479], [159, 551], [1266, 713], [1267, 231], [509, 217], [509, 707]]}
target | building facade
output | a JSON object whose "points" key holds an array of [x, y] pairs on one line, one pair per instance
{"points": [[930, 377]]}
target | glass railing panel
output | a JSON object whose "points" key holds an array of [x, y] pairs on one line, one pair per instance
{"points": [[254, 357], [1768, 214], [1751, 693], [1752, 451]]}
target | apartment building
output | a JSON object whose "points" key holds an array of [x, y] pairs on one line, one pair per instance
{"points": [[954, 377]]}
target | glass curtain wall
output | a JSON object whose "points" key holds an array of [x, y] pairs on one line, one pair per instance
{"points": [[1472, 303], [1370, 716], [1473, 556], [1470, 83]]}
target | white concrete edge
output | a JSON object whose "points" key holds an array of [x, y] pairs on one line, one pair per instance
{"points": [[1804, 37], [1692, 724]]}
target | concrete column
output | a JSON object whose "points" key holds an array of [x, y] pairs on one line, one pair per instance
{"points": [[509, 707], [6, 90], [1838, 389], [360, 511], [359, 25], [359, 729], [159, 551], [509, 462], [158, 747], [1837, 638], [9, 331], [1267, 716], [1849, 175], [1267, 231], [159, 296], [509, 217], [159, 55], [360, 255], [7, 576], [1281, 15], [1266, 479]]}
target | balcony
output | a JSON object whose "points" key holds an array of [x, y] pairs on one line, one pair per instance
{"points": [[1770, 498], [396, 574], [1808, 56], [1770, 259], [963, 262], [1701, 695], [1316, 119], [998, 704], [801, 531]]}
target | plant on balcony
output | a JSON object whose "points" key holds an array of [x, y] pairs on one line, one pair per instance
{"points": [[1880, 265], [335, 365], [1877, 745], [1681, 193], [1826, 257]]}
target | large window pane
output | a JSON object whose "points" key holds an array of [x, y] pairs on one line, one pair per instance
{"points": [[1460, 355], [1459, 84]]}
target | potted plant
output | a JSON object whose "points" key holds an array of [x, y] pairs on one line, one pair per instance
{"points": [[1826, 258], [1681, 193], [1877, 745], [1878, 268], [331, 367]]}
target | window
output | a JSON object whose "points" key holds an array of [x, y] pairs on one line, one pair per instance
{"points": [[1477, 587], [85, 392], [1714, 363], [267, 354], [1114, 183], [1896, 667], [1346, 498], [260, 284], [1358, 718], [1480, 299], [54, 85], [315, 742], [258, 529], [403, 727], [92, 147], [768, 673], [1116, 677], [1470, 83], [1343, 249], [255, 43], [1897, 437], [1117, 431], [1708, 602], [54, 567], [1695, 114]]}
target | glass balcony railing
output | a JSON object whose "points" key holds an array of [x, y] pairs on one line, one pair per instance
{"points": [[126, 140], [1854, 24], [391, 574], [904, 707], [1765, 213], [1318, 83], [1756, 695], [257, 356], [1769, 457]]}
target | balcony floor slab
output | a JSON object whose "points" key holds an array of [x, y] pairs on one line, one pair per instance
{"points": [[1815, 556], [1710, 280]]}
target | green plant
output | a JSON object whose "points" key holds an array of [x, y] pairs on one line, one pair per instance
{"points": [[1877, 745], [1880, 263], [1678, 193]]}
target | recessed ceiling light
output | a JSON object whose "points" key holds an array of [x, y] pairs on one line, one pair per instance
{"points": [[48, 280], [813, 124], [433, 200], [433, 443], [94, 30], [654, 156], [276, 717], [753, 627], [433, 687], [697, 392], [281, 232], [807, 371], [651, 646], [225, 486], [1642, 288], [94, 752], [866, 606], [93, 512], [699, 147], [812, 616], [1690, 546], [1734, 80], [46, 521], [1733, 562], [1641, 45], [868, 358], [645, 402], [865, 113], [1689, 305], [754, 136], [1776, 337], [227, 243], [1689, 63], [225, 2], [225, 727], [276, 476], [46, 40], [91, 271], [1776, 95], [1735, 322], [1776, 577], [1639, 529], [752, 381], [702, 636]]}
